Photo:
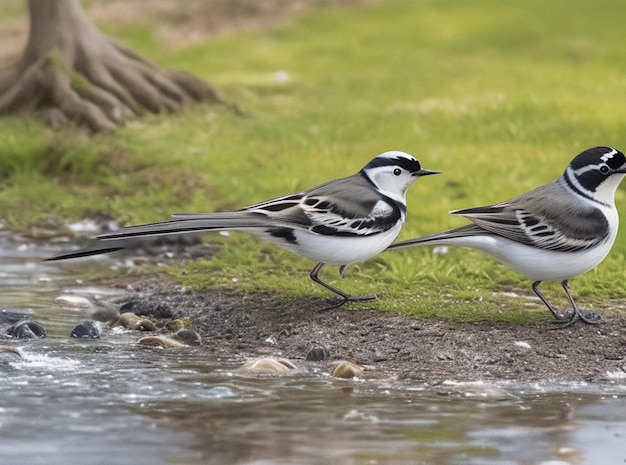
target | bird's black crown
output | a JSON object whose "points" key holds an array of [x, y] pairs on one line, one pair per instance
{"points": [[598, 155], [409, 164]]}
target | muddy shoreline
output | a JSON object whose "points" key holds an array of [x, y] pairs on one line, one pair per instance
{"points": [[429, 352]]}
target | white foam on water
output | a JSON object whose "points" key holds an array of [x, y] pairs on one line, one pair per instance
{"points": [[32, 361]]}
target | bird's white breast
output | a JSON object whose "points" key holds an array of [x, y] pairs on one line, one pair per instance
{"points": [[336, 250], [536, 264]]}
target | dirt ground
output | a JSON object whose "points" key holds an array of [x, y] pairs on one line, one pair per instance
{"points": [[423, 351]]}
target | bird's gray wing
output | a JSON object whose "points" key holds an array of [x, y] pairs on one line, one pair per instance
{"points": [[547, 218], [342, 207], [350, 207]]}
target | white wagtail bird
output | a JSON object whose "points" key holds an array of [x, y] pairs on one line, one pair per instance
{"points": [[340, 222], [552, 233]]}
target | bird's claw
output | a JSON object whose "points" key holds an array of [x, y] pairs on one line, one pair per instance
{"points": [[339, 302], [591, 318]]}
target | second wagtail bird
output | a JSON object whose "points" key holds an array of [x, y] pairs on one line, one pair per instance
{"points": [[552, 233], [340, 222]]}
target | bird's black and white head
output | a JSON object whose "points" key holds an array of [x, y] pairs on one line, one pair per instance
{"points": [[393, 172], [596, 173]]}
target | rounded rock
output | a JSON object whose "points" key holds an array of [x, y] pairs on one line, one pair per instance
{"points": [[27, 329], [8, 355], [348, 370], [132, 321], [86, 330], [175, 325], [317, 354], [267, 365], [161, 341], [188, 336]]}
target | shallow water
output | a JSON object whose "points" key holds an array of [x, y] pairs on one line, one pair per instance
{"points": [[111, 401]]}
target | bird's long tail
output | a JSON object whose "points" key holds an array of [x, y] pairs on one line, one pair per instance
{"points": [[181, 224], [441, 238]]}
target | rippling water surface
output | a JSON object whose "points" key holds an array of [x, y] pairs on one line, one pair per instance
{"points": [[111, 401]]}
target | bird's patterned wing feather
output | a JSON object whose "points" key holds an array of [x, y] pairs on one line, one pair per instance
{"points": [[344, 207], [562, 224]]}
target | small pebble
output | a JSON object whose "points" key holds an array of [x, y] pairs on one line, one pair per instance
{"points": [[27, 329], [8, 355], [317, 353], [10, 349], [522, 344], [348, 370], [86, 330], [161, 341], [132, 321], [175, 325], [188, 336], [267, 365]]}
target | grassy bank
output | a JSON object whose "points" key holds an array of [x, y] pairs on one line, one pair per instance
{"points": [[498, 96]]}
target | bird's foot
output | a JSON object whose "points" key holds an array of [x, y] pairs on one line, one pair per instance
{"points": [[338, 302], [591, 318]]}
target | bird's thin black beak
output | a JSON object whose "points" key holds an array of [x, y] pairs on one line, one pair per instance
{"points": [[424, 172]]}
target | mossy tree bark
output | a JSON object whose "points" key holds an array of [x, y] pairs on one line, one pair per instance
{"points": [[70, 71]]}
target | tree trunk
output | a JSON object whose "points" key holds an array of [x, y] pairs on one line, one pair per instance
{"points": [[70, 71]]}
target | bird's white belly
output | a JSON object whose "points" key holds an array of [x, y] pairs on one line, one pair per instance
{"points": [[336, 250], [536, 264]]}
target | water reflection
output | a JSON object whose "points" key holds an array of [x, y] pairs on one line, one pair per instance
{"points": [[303, 422], [112, 401]]}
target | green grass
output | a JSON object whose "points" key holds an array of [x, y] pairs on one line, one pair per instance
{"points": [[496, 95]]}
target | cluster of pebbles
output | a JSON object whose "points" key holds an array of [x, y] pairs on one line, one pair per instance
{"points": [[158, 323], [160, 327]]}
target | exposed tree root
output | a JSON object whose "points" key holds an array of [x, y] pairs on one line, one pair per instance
{"points": [[70, 71]]}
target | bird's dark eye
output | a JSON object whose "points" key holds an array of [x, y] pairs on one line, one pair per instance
{"points": [[604, 169], [397, 171]]}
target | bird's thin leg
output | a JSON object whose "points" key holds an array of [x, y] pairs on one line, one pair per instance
{"points": [[560, 318], [590, 318], [342, 270], [344, 297]]}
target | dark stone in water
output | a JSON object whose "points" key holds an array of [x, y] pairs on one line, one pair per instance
{"points": [[317, 353], [144, 307], [27, 329], [188, 336], [10, 316], [86, 330]]}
